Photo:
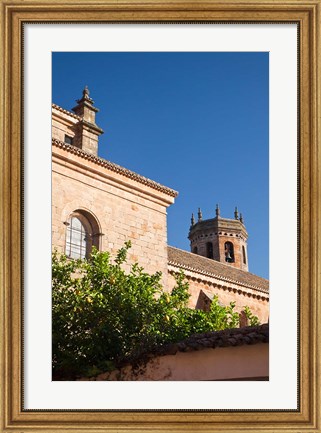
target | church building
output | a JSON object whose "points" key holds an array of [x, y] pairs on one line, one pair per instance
{"points": [[96, 202]]}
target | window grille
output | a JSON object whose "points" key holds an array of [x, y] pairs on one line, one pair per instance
{"points": [[76, 240]]}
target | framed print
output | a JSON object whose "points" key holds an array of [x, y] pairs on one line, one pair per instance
{"points": [[177, 75]]}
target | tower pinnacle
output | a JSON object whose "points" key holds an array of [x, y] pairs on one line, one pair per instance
{"points": [[217, 210], [85, 92]]}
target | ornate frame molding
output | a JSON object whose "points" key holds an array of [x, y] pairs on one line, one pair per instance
{"points": [[16, 12]]}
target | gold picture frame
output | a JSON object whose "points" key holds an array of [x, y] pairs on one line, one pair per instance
{"points": [[307, 15]]}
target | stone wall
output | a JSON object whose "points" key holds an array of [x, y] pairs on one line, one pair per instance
{"points": [[248, 362], [227, 292], [63, 123], [123, 208]]}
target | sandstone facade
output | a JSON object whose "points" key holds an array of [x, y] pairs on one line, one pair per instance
{"points": [[121, 208], [207, 279], [115, 205]]}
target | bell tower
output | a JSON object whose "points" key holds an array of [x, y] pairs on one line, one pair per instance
{"points": [[220, 239]]}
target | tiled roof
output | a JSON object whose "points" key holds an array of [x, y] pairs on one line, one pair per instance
{"points": [[225, 338], [57, 107], [248, 335], [114, 167], [195, 263]]}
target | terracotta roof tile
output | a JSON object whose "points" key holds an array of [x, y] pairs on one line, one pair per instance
{"points": [[225, 338], [193, 262], [114, 167], [63, 110], [248, 335]]}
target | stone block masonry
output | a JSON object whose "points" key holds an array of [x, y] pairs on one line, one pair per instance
{"points": [[124, 208]]}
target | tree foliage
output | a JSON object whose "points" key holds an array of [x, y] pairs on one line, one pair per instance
{"points": [[103, 316]]}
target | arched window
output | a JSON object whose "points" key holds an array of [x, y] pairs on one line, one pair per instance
{"points": [[229, 252], [209, 250], [195, 250], [244, 255], [76, 240], [81, 235]]}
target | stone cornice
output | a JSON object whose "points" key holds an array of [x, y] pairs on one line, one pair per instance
{"points": [[91, 126], [203, 274], [114, 167], [224, 284], [218, 224]]}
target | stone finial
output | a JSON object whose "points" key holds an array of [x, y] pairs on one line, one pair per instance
{"points": [[192, 220], [200, 216], [86, 100], [85, 107], [86, 130], [217, 210], [85, 92], [236, 214], [241, 218]]}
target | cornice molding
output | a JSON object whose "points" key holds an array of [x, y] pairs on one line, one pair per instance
{"points": [[114, 167]]}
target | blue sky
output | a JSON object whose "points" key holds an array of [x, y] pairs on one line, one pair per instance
{"points": [[196, 122]]}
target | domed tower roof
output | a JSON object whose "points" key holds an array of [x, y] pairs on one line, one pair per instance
{"points": [[221, 239]]}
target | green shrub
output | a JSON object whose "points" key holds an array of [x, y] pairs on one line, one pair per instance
{"points": [[103, 316]]}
